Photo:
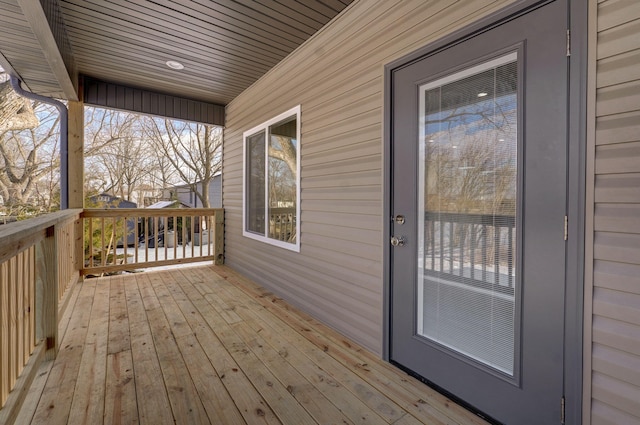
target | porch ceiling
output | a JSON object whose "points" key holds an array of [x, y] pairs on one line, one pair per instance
{"points": [[224, 45]]}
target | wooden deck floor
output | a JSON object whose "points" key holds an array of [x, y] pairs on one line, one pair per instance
{"points": [[204, 345]]}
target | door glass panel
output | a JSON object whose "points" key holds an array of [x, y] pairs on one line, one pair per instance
{"points": [[467, 204]]}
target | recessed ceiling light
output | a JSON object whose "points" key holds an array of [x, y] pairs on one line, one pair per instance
{"points": [[175, 65], [482, 94]]}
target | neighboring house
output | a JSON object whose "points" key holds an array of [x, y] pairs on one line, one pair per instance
{"points": [[168, 204], [503, 268], [147, 195], [185, 193], [148, 224], [105, 200]]}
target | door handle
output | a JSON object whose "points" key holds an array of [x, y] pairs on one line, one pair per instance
{"points": [[395, 241]]}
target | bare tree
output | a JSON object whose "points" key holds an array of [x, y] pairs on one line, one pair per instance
{"points": [[28, 156], [284, 148], [193, 151], [127, 163], [106, 126], [16, 112], [117, 159], [163, 175]]}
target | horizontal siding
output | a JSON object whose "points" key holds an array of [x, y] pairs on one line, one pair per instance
{"points": [[618, 218], [604, 414], [338, 79], [619, 158], [623, 188], [618, 394], [615, 377], [618, 276], [619, 128], [618, 364], [618, 69]]}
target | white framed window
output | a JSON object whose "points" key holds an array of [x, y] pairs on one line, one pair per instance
{"points": [[271, 181]]}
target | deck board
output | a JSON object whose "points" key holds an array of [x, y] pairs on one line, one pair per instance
{"points": [[54, 405], [205, 345], [151, 395]]}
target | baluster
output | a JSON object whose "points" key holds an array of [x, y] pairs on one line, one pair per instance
{"points": [[451, 246], [496, 255], [484, 252], [433, 243], [461, 256], [473, 251], [510, 257], [441, 249]]}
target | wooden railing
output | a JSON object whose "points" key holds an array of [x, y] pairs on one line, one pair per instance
{"points": [[282, 224], [37, 269], [42, 258], [473, 249], [120, 239]]}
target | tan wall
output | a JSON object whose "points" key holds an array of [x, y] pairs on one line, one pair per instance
{"points": [[338, 78], [613, 289]]}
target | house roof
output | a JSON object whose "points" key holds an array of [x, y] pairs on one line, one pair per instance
{"points": [[224, 45], [215, 177], [168, 204]]}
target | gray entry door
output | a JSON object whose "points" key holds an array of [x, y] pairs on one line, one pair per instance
{"points": [[479, 148]]}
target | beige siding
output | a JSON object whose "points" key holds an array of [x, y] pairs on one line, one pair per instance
{"points": [[613, 329], [338, 78]]}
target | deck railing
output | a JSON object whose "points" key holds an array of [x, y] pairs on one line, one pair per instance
{"points": [[42, 258], [37, 269], [475, 249], [282, 224], [121, 239]]}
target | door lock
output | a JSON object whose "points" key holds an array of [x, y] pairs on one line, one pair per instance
{"points": [[395, 241], [399, 219]]}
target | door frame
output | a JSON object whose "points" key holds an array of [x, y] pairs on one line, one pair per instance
{"points": [[576, 183]]}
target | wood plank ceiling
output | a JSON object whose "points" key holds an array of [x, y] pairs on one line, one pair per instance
{"points": [[224, 45]]}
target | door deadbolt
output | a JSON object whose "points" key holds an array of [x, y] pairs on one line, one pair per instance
{"points": [[395, 241], [399, 219]]}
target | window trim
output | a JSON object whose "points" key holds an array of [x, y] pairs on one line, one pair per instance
{"points": [[295, 111]]}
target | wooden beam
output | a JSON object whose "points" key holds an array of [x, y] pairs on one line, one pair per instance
{"points": [[219, 237], [51, 47], [76, 154], [143, 265], [47, 262]]}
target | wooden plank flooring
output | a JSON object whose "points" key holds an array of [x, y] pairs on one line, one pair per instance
{"points": [[204, 345]]}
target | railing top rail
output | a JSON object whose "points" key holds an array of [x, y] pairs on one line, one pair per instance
{"points": [[282, 210], [150, 212], [488, 219], [18, 236]]}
